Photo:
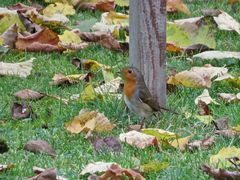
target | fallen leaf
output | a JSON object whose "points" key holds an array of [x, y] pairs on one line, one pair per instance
{"points": [[207, 119], [154, 166], [222, 123], [138, 139], [135, 127], [177, 5], [8, 18], [220, 173], [39, 146], [21, 69], [116, 172], [160, 134], [226, 22], [89, 121], [122, 3], [71, 40], [47, 174], [198, 76], [3, 147], [110, 87], [64, 9], [201, 144], [108, 143], [181, 143], [10, 36], [96, 167], [217, 55], [88, 94], [205, 97], [102, 5], [21, 111], [227, 133], [45, 37], [60, 79], [5, 167], [21, 7], [88, 64], [105, 5], [55, 21], [220, 159], [203, 109], [229, 97], [28, 94]]}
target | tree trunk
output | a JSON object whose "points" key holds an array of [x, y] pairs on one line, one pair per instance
{"points": [[148, 44]]}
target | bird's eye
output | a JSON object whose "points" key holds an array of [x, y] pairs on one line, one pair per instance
{"points": [[129, 71]]}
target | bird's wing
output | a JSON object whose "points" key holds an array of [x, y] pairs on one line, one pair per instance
{"points": [[146, 97]]}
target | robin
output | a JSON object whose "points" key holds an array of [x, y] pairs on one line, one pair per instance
{"points": [[137, 96]]}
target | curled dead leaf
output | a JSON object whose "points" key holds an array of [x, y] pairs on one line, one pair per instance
{"points": [[138, 139], [21, 111], [28, 94], [201, 144], [39, 146]]}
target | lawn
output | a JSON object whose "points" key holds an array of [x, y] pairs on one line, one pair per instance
{"points": [[74, 151]]}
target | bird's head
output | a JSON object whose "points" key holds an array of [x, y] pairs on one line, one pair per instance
{"points": [[131, 74]]}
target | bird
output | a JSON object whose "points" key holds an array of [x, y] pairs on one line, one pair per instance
{"points": [[137, 96]]}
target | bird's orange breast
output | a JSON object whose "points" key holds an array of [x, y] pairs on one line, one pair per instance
{"points": [[129, 88]]}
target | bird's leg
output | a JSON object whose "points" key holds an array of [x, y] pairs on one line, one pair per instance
{"points": [[142, 122]]}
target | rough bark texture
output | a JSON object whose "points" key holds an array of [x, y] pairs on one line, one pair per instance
{"points": [[148, 43]]}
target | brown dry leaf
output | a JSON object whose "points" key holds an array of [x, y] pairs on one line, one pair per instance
{"points": [[222, 123], [138, 139], [102, 5], [181, 143], [229, 97], [220, 174], [205, 97], [10, 36], [60, 79], [23, 8], [227, 133], [39, 146], [203, 109], [46, 173], [201, 144], [105, 5], [28, 94], [21, 69], [108, 143], [116, 172], [45, 40], [21, 111], [177, 5], [95, 167], [89, 121], [198, 76]]}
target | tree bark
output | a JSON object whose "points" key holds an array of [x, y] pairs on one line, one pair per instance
{"points": [[148, 44]]}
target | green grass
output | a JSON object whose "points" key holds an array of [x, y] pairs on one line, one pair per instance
{"points": [[73, 151]]}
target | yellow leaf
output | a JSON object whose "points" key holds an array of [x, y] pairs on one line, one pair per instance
{"points": [[220, 159], [114, 18], [59, 1], [69, 37], [177, 5], [160, 134], [88, 94], [122, 2], [89, 121], [92, 65], [207, 119], [61, 8], [181, 143], [154, 166]]}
